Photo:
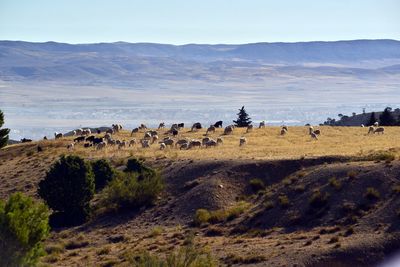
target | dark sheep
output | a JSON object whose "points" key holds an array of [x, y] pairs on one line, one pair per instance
{"points": [[79, 139], [97, 141], [181, 125], [24, 140], [87, 145], [218, 124], [90, 138], [175, 132]]}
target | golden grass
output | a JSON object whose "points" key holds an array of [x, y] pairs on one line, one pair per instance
{"points": [[261, 144]]}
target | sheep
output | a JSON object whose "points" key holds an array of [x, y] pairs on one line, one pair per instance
{"points": [[174, 127], [283, 131], [362, 125], [135, 130], [73, 133], [211, 142], [194, 143], [79, 139], [376, 124], [169, 142], [111, 142], [196, 126], [98, 140], [25, 140], [122, 144], [379, 130], [228, 130], [371, 129], [166, 138], [181, 125], [220, 141], [161, 125], [205, 140], [110, 131], [181, 142], [285, 128], [210, 129], [249, 128], [147, 136], [58, 135], [314, 135], [70, 146], [154, 139], [78, 131], [184, 146], [86, 132], [163, 146], [45, 138], [262, 125], [242, 141], [145, 143], [153, 133], [316, 132], [218, 124], [132, 142], [175, 132], [107, 137], [86, 145], [142, 127], [101, 145]]}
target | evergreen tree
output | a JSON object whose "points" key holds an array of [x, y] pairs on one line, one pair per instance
{"points": [[243, 119], [386, 118], [3, 132], [372, 119]]}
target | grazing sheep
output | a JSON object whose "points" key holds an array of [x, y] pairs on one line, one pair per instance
{"points": [[86, 132], [242, 141], [205, 140], [262, 125], [112, 142], [218, 124], [211, 129], [163, 146], [110, 131], [122, 144], [98, 140], [107, 137], [194, 143], [153, 133], [79, 139], [184, 146], [73, 133], [376, 124], [86, 145], [147, 136], [181, 125], [220, 141], [249, 128], [175, 133], [166, 138], [314, 135], [134, 131], [132, 142], [379, 130], [161, 125], [98, 131], [196, 126], [154, 139], [174, 127], [285, 128], [211, 143], [169, 142], [90, 138], [45, 138], [362, 125], [181, 142], [371, 129], [25, 140], [316, 132], [283, 131], [101, 145], [145, 143], [142, 127], [58, 135], [70, 146], [228, 130], [78, 131]]}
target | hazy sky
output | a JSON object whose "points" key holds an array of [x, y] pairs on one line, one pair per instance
{"points": [[201, 21]]}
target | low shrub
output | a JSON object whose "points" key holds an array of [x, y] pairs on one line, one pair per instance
{"points": [[24, 224], [352, 174], [318, 199], [217, 216], [283, 201], [335, 183], [103, 173], [257, 185], [202, 216], [372, 194], [126, 190]]}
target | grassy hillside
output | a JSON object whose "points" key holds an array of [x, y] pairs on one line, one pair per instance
{"points": [[278, 201]]}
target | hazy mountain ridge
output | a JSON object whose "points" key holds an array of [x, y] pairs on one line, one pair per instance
{"points": [[124, 62]]}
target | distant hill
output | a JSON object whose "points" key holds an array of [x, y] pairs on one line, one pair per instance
{"points": [[358, 119], [126, 62]]}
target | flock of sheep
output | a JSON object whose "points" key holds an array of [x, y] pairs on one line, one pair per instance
{"points": [[172, 136]]}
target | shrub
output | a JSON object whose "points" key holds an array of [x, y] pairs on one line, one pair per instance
{"points": [[103, 173], [127, 191], [372, 193], [201, 216], [335, 183], [256, 184], [186, 256], [268, 204], [138, 166], [352, 174], [318, 199], [380, 156], [24, 224], [68, 188], [283, 201]]}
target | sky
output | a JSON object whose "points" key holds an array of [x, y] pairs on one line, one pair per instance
{"points": [[200, 21]]}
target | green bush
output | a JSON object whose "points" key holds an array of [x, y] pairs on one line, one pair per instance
{"points": [[335, 183], [372, 193], [221, 215], [201, 216], [284, 201], [68, 188], [138, 166], [24, 223], [318, 199], [103, 173], [126, 190], [257, 184]]}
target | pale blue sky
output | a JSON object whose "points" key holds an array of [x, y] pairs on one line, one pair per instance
{"points": [[202, 21]]}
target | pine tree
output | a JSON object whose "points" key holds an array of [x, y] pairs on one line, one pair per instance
{"points": [[243, 119], [3, 132], [372, 119], [386, 118]]}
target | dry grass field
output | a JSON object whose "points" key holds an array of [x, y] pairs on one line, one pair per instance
{"points": [[279, 226], [262, 144]]}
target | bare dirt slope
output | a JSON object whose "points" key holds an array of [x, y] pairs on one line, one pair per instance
{"points": [[324, 211]]}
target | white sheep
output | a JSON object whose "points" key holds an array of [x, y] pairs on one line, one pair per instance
{"points": [[371, 129], [262, 124], [163, 146], [220, 141], [70, 146], [242, 141]]}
